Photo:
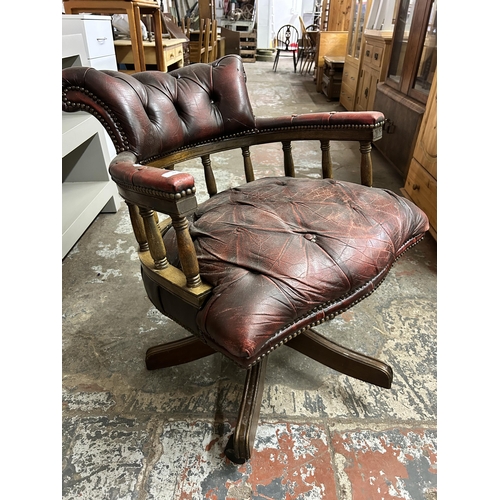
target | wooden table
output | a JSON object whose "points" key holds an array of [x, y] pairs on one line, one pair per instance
{"points": [[332, 76], [134, 9], [172, 52]]}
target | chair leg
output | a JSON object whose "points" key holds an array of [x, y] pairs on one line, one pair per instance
{"points": [[275, 65], [352, 363], [176, 353], [240, 444]]}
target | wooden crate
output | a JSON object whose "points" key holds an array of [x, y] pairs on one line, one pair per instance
{"points": [[248, 46]]}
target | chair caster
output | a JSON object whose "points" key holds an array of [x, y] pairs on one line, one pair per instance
{"points": [[230, 453]]}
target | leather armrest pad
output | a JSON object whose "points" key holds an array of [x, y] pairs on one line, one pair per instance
{"points": [[124, 171], [355, 118]]}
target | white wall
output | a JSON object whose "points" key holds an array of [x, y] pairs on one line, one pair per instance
{"points": [[272, 14]]}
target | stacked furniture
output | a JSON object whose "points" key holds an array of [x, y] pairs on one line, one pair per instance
{"points": [[134, 9], [248, 46]]}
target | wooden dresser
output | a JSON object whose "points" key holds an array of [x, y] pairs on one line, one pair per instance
{"points": [[421, 180], [375, 56]]}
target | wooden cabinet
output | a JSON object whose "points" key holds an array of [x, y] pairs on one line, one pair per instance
{"points": [[421, 181], [206, 9], [375, 59], [348, 86], [97, 38], [359, 12]]}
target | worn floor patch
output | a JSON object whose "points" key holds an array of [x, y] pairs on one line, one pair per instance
{"points": [[290, 461], [389, 464]]}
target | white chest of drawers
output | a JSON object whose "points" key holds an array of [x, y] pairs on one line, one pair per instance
{"points": [[97, 35]]}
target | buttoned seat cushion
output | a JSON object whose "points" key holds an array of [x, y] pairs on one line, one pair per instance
{"points": [[285, 253]]}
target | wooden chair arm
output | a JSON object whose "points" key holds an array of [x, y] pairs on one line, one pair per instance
{"points": [[361, 120], [148, 190], [166, 191]]}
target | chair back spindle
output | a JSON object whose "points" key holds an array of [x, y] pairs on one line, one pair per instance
{"points": [[209, 175], [365, 148], [326, 160], [288, 158], [247, 163]]}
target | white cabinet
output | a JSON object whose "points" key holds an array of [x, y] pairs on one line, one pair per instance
{"points": [[97, 35], [87, 150]]}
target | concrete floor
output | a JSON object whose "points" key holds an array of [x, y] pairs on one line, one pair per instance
{"points": [[132, 434]]}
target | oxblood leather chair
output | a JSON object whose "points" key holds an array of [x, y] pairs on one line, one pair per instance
{"points": [[259, 265]]}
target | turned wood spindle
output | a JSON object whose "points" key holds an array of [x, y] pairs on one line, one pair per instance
{"points": [[326, 160], [187, 252], [365, 148], [288, 158], [209, 175], [247, 162], [155, 241]]}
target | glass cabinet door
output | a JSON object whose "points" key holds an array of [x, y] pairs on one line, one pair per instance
{"points": [[427, 61], [356, 30], [400, 40], [361, 27], [382, 15], [352, 32], [414, 49]]}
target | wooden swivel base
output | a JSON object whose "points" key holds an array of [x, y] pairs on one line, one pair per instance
{"points": [[310, 343]]}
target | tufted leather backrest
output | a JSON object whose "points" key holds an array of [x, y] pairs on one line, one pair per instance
{"points": [[152, 113]]}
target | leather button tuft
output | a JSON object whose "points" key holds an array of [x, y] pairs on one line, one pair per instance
{"points": [[310, 237]]}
